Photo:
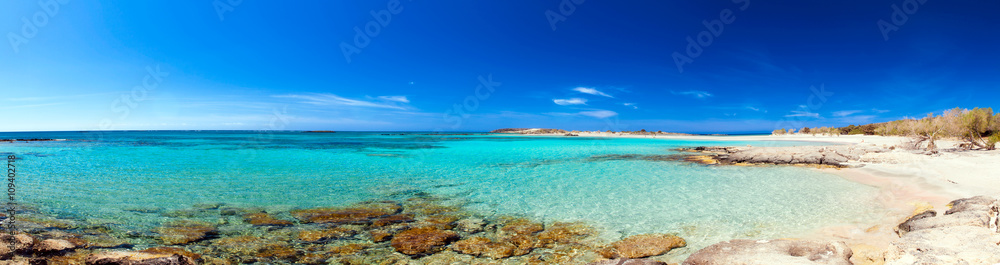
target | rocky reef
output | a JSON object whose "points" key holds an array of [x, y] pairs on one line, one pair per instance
{"points": [[415, 230]]}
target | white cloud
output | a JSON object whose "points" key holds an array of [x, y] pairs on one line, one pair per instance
{"points": [[752, 108], [591, 91], [631, 105], [797, 113], [572, 101], [600, 114], [880, 110], [844, 113], [694, 93], [334, 100], [395, 98]]}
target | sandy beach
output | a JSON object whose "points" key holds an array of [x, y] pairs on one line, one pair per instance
{"points": [[909, 181]]}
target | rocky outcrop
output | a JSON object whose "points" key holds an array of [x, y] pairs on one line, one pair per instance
{"points": [[782, 251], [836, 155], [22, 244], [966, 234], [53, 246], [641, 246]]}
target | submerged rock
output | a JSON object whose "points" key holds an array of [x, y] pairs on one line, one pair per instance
{"points": [[422, 240], [393, 219], [180, 233], [470, 225], [641, 246], [564, 233], [324, 234], [520, 233], [362, 213], [137, 258], [782, 251], [264, 219], [484, 247]]}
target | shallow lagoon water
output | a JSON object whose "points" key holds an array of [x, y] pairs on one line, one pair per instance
{"points": [[102, 176]]}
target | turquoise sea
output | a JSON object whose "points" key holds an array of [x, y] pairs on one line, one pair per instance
{"points": [[621, 186]]}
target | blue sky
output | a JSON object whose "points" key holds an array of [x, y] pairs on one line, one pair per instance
{"points": [[480, 65]]}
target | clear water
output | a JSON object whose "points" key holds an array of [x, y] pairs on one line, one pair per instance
{"points": [[99, 175]]}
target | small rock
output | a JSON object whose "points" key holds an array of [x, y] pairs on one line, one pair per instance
{"points": [[422, 240], [641, 246]]}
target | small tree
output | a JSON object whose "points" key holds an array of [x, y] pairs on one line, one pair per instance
{"points": [[778, 132], [975, 124], [804, 130]]}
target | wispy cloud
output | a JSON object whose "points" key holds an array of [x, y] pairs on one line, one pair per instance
{"points": [[402, 99], [880, 110], [844, 113], [694, 93], [587, 90], [326, 99], [801, 113], [30, 106], [631, 105], [600, 114], [572, 101]]}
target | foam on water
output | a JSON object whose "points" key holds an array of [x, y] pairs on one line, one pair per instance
{"points": [[548, 178]]}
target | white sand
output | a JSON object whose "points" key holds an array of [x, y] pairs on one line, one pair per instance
{"points": [[908, 181]]}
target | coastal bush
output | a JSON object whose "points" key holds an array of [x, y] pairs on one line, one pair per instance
{"points": [[805, 130], [778, 132], [978, 127]]}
